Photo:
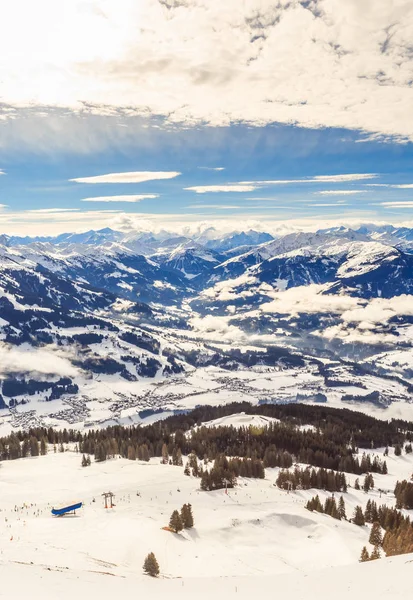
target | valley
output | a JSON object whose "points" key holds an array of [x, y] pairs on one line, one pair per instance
{"points": [[98, 327]]}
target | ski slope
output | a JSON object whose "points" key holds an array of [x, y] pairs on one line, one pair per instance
{"points": [[256, 537]]}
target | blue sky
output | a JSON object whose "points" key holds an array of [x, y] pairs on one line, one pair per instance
{"points": [[115, 105]]}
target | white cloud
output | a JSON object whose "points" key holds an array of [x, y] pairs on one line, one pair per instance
{"points": [[212, 168], [131, 177], [344, 178], [217, 326], [309, 299], [216, 206], [126, 198], [395, 204], [332, 204], [358, 335], [52, 210], [2, 172], [317, 179], [42, 361], [381, 310], [205, 189], [340, 192], [315, 64], [400, 186], [378, 184]]}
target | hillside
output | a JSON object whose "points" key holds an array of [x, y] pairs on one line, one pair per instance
{"points": [[256, 529]]}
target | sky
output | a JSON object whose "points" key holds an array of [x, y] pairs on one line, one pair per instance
{"points": [[142, 114]]}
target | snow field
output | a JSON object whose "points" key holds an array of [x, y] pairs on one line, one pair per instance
{"points": [[255, 531]]}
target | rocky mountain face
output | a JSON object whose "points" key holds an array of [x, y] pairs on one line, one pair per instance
{"points": [[100, 326]]}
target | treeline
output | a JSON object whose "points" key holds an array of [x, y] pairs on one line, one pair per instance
{"points": [[330, 444], [330, 507], [398, 537], [306, 479], [404, 494], [225, 471]]}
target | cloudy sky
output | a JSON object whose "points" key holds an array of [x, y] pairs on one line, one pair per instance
{"points": [[140, 112]]}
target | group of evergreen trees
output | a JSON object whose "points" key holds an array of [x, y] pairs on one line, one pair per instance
{"points": [[398, 537], [182, 520], [179, 520], [305, 479], [365, 556], [329, 444], [404, 494], [337, 511], [368, 483]]}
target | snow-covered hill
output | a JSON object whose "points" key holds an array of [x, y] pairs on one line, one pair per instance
{"points": [[251, 540]]}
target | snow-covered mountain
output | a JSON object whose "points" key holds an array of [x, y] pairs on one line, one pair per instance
{"points": [[135, 321], [191, 259]]}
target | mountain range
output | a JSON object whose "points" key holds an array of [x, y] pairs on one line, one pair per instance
{"points": [[104, 326]]}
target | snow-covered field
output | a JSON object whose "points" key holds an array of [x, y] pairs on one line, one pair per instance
{"points": [[255, 539]]}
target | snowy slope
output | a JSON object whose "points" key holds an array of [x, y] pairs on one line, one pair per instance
{"points": [[252, 538]]}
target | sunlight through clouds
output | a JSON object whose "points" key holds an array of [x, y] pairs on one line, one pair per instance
{"points": [[334, 66]]}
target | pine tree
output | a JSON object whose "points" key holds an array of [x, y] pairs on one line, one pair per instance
{"points": [[34, 446], [187, 516], [368, 512], [43, 446], [131, 453], [187, 470], [165, 455], [397, 450], [150, 566], [357, 484], [179, 460], [145, 453], [175, 522], [366, 483], [84, 461], [376, 538], [342, 508], [358, 517], [364, 555], [88, 461], [375, 554]]}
